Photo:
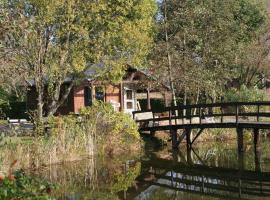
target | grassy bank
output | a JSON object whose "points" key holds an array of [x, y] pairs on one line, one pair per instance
{"points": [[98, 130]]}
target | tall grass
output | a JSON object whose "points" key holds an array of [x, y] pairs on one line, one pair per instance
{"points": [[98, 130]]}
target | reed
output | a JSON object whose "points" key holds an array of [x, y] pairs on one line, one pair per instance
{"points": [[99, 130]]}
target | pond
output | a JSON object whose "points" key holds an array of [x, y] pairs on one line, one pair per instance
{"points": [[211, 170]]}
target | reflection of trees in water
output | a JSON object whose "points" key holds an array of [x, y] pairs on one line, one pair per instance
{"points": [[191, 177], [161, 194], [222, 154], [213, 168], [92, 178]]}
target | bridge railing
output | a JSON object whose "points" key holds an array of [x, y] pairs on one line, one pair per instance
{"points": [[200, 112]]}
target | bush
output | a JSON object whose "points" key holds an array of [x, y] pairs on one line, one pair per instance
{"points": [[116, 132], [98, 130], [244, 94], [18, 185]]}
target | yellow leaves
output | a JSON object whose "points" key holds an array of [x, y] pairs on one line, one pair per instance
{"points": [[78, 63], [112, 32]]}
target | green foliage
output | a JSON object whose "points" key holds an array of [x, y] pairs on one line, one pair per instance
{"points": [[21, 186], [121, 35], [4, 102], [62, 39], [99, 130], [205, 39], [11, 106], [3, 98], [126, 180], [115, 131], [244, 94]]}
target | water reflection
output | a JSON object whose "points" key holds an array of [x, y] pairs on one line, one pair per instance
{"points": [[209, 171], [192, 176]]}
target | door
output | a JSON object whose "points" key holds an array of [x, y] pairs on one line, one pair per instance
{"points": [[129, 101], [87, 96]]}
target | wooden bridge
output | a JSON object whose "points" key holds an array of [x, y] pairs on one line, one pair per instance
{"points": [[238, 115]]}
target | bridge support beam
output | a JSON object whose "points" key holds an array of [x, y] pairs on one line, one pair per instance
{"points": [[240, 140], [256, 139]]}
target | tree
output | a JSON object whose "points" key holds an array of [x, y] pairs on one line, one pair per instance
{"points": [[253, 57], [51, 41], [204, 39]]}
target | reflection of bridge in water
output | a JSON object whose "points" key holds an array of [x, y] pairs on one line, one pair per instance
{"points": [[199, 179], [238, 115]]}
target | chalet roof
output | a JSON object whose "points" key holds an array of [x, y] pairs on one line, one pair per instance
{"points": [[90, 73]]}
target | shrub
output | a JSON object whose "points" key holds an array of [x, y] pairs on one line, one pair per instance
{"points": [[244, 94], [115, 131], [18, 185], [98, 130]]}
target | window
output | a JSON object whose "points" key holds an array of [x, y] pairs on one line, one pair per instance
{"points": [[129, 94], [87, 96], [99, 93], [129, 99], [129, 105]]}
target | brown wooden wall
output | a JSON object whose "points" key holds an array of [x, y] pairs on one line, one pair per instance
{"points": [[113, 93], [78, 94]]}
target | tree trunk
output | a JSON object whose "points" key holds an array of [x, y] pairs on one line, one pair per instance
{"points": [[169, 59], [195, 109], [40, 108], [57, 102], [185, 103], [197, 100], [38, 118]]}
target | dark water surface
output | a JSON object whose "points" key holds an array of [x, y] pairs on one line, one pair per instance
{"points": [[212, 170]]}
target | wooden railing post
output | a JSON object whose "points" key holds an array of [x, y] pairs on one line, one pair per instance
{"points": [[258, 113], [221, 119], [170, 117], [190, 121], [183, 116], [236, 113], [153, 114], [200, 114]]}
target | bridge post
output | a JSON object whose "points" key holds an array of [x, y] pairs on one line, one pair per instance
{"points": [[240, 139], [174, 138], [258, 113], [256, 140], [236, 113], [188, 140], [189, 156], [258, 161]]}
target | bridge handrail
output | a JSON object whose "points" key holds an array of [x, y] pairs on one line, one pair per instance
{"points": [[227, 104], [235, 113]]}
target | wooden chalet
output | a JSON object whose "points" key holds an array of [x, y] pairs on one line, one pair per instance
{"points": [[125, 96]]}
